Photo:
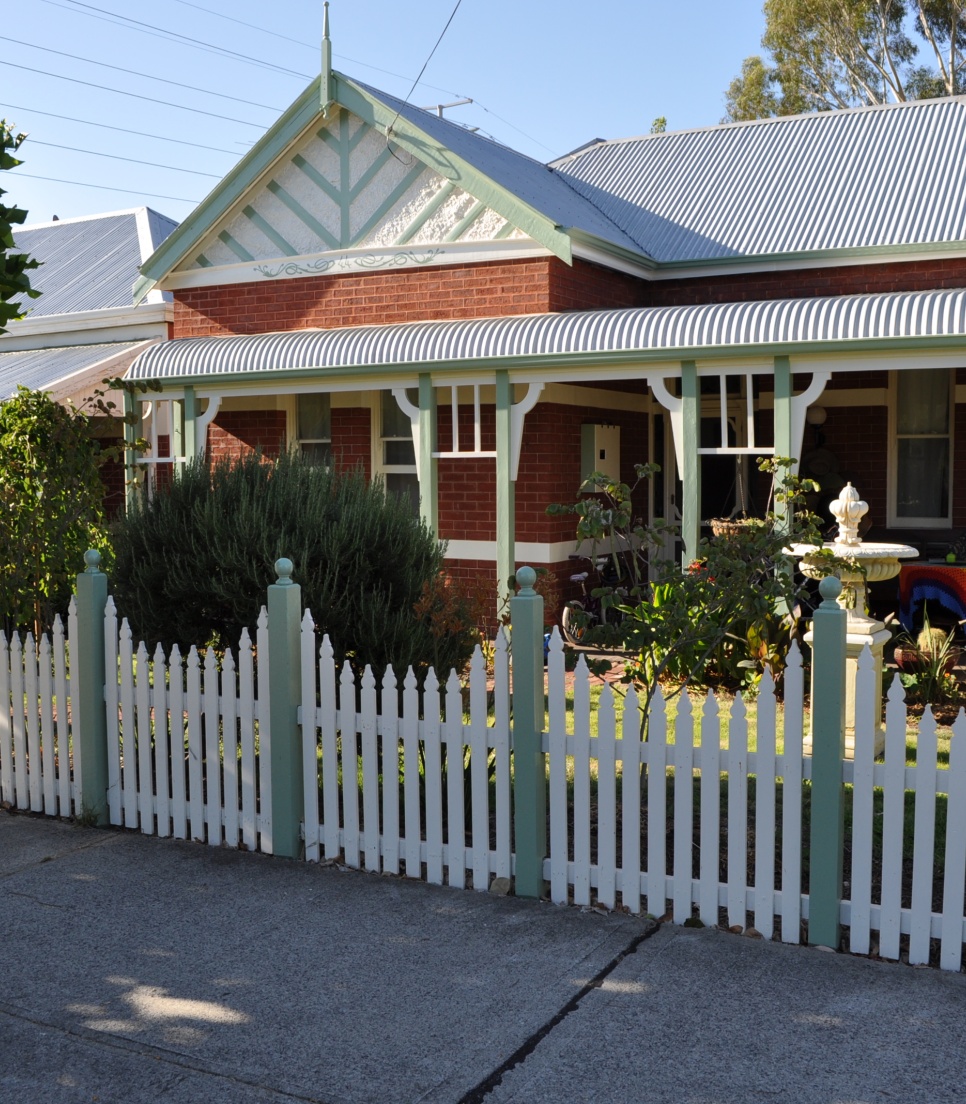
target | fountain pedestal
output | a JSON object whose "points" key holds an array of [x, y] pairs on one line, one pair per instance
{"points": [[868, 562]]}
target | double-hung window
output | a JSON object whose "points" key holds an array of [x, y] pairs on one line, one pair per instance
{"points": [[314, 426], [398, 456], [921, 448]]}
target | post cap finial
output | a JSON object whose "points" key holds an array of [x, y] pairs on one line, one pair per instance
{"points": [[830, 588], [526, 577], [283, 571], [92, 559]]}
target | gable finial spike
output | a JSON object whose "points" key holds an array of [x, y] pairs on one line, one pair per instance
{"points": [[325, 87]]}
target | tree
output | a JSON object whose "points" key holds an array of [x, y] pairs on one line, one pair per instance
{"points": [[51, 496], [14, 280], [829, 54]]}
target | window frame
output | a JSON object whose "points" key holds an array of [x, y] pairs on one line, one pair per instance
{"points": [[894, 521], [295, 441]]}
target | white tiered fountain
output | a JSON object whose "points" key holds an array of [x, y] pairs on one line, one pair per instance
{"points": [[873, 562]]}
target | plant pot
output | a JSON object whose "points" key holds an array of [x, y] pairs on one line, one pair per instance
{"points": [[913, 660]]}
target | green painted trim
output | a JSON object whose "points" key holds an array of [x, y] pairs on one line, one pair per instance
{"points": [[388, 203], [465, 222], [202, 261], [270, 232], [505, 490], [529, 761], [300, 213], [358, 134], [190, 408], [428, 464], [691, 475], [142, 285], [639, 258], [369, 175], [285, 696], [259, 159], [416, 141], [325, 186], [504, 232], [783, 423], [827, 832], [327, 133], [426, 213], [235, 246]]}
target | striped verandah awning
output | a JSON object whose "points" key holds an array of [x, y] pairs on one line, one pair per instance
{"points": [[774, 327]]}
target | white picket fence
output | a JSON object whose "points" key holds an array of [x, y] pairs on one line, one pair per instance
{"points": [[36, 761], [187, 754], [396, 779]]}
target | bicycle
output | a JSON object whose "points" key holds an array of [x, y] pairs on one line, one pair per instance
{"points": [[582, 614]]}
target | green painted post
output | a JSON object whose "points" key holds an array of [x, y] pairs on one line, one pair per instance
{"points": [[827, 834], [87, 675], [783, 424], [131, 433], [190, 408], [505, 490], [285, 692], [691, 469], [428, 464], [529, 760]]}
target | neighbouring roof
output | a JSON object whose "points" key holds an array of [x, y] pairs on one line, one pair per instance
{"points": [[777, 324], [90, 263], [40, 369], [868, 178]]}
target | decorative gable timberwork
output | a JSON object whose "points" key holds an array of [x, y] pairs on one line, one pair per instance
{"points": [[344, 199]]}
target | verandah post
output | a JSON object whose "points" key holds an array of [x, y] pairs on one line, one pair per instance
{"points": [[827, 833], [87, 678], [529, 760], [285, 695]]}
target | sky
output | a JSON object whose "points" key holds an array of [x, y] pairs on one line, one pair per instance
{"points": [[545, 78]]}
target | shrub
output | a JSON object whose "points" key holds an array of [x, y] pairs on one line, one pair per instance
{"points": [[193, 562]]}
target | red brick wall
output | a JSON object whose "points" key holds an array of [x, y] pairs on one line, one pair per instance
{"points": [[236, 433], [528, 286], [943, 272], [351, 448]]}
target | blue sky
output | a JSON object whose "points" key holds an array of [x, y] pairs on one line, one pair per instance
{"points": [[546, 77]]}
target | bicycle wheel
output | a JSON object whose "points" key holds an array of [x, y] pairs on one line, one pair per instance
{"points": [[574, 622]]}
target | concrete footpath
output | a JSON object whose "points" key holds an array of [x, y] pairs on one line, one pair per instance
{"points": [[137, 970]]}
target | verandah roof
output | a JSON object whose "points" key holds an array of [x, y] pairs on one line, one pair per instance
{"points": [[772, 327]]}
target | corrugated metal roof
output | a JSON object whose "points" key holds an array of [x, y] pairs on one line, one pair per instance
{"points": [[778, 322], [90, 263], [880, 176], [529, 180], [40, 369]]}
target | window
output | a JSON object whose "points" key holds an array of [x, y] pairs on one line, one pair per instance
{"points": [[314, 427], [922, 406], [398, 456]]}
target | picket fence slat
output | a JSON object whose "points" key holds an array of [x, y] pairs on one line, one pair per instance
{"points": [[128, 743], [8, 791], [581, 811], [413, 819], [196, 805], [264, 737], [453, 736], [791, 770], [64, 806], [631, 748], [479, 773], [737, 761], [860, 888], [246, 736], [657, 762], [390, 773], [370, 772], [34, 761], [557, 717], [607, 799], [893, 810], [179, 793], [765, 808], [924, 841], [47, 739], [229, 724], [683, 810], [112, 704], [710, 755], [19, 723], [501, 752], [434, 791], [954, 872]]}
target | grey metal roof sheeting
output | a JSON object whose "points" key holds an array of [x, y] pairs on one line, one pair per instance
{"points": [[880, 176], [88, 264], [42, 368], [778, 322]]}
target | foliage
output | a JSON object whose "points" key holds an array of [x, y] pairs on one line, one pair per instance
{"points": [[723, 620], [830, 54], [659, 126], [193, 562], [927, 666], [14, 267], [51, 496]]}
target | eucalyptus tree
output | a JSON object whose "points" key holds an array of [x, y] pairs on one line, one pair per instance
{"points": [[14, 266]]}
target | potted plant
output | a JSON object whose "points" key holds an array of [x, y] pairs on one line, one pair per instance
{"points": [[933, 650]]}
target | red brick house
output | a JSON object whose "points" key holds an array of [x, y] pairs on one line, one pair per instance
{"points": [[370, 275]]}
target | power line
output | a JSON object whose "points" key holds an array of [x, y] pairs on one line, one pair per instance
{"points": [[148, 76], [123, 130], [149, 28], [117, 157], [107, 188], [134, 95], [426, 62]]}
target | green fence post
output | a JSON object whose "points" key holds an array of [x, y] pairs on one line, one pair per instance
{"points": [[529, 760], [827, 834], [87, 707], [285, 694]]}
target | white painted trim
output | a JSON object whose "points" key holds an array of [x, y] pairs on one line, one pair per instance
{"points": [[94, 327], [598, 398], [518, 415], [85, 218], [528, 552], [800, 404], [610, 260], [340, 261], [204, 420]]}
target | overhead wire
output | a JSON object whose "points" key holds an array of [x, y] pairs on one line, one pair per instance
{"points": [[122, 130], [107, 188], [118, 157], [143, 76], [135, 95]]}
